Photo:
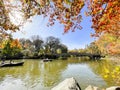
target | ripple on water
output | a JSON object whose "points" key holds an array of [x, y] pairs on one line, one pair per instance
{"points": [[12, 84], [37, 75]]}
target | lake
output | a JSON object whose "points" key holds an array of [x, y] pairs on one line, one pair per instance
{"points": [[38, 75]]}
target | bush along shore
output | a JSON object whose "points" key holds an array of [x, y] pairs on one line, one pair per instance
{"points": [[42, 56]]}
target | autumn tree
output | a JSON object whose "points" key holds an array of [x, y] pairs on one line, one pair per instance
{"points": [[105, 13], [108, 44], [92, 49], [65, 11], [105, 16], [11, 48]]}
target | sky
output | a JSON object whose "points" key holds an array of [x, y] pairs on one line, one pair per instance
{"points": [[73, 40]]}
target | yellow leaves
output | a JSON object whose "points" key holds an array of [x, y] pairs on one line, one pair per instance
{"points": [[1, 46], [67, 15], [59, 1], [103, 18], [105, 76], [67, 2], [110, 10], [42, 2], [107, 71], [117, 68], [109, 44], [113, 76], [13, 43], [26, 1], [112, 73]]}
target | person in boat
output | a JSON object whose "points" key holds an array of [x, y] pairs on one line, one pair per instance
{"points": [[10, 61], [3, 61]]}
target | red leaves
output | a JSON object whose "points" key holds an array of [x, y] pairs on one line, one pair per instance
{"points": [[105, 15], [66, 29], [95, 35], [67, 13], [61, 10]]}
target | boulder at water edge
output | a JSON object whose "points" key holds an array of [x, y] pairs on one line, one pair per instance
{"points": [[113, 88], [92, 88], [68, 84]]}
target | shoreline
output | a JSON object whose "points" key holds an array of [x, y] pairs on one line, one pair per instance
{"points": [[114, 59]]}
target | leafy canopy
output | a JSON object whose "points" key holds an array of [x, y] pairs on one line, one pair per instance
{"points": [[105, 14], [10, 47]]}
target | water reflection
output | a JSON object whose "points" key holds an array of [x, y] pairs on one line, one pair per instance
{"points": [[107, 67], [34, 73], [38, 75], [51, 72]]}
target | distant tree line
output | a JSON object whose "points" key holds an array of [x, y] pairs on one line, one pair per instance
{"points": [[92, 48], [35, 47]]}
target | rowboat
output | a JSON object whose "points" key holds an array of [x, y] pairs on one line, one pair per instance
{"points": [[12, 64], [46, 60]]}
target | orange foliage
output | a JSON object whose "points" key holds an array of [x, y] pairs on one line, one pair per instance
{"points": [[105, 16], [105, 13], [65, 11], [13, 43], [16, 43], [109, 44]]}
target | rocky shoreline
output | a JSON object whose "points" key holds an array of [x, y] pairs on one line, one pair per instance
{"points": [[72, 84]]}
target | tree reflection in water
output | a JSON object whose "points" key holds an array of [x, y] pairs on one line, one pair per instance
{"points": [[38, 75]]}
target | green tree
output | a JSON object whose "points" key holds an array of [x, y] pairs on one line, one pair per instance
{"points": [[11, 48], [37, 42], [92, 49], [52, 44], [28, 47], [7, 51], [63, 48]]}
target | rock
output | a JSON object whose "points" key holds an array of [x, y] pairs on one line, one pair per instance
{"points": [[67, 84], [113, 88], [92, 88]]}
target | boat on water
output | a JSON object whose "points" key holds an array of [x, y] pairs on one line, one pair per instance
{"points": [[47, 60], [12, 64]]}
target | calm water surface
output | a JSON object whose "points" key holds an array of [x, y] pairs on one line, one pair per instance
{"points": [[38, 75]]}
